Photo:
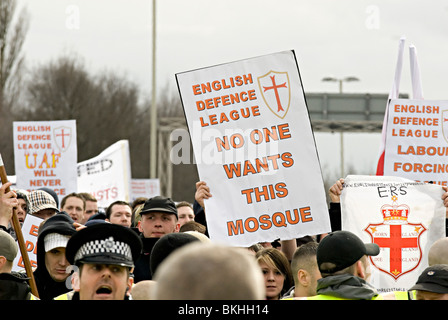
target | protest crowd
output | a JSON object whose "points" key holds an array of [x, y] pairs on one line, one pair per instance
{"points": [[153, 248]]}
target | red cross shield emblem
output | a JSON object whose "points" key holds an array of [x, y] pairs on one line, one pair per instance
{"points": [[444, 123], [398, 239], [62, 137], [275, 89]]}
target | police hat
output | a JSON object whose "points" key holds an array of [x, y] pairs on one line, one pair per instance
{"points": [[104, 243]]}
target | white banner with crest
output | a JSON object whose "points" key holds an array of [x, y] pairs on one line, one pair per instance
{"points": [[402, 216]]}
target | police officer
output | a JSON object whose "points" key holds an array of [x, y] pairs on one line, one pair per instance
{"points": [[105, 254]]}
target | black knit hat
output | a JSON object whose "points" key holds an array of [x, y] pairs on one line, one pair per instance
{"points": [[60, 223], [341, 249], [166, 245]]}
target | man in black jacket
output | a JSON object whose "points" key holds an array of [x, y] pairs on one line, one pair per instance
{"points": [[13, 286], [159, 217]]}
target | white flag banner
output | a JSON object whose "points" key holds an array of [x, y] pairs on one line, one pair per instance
{"points": [[254, 147], [45, 155], [402, 216], [417, 140], [108, 175]]}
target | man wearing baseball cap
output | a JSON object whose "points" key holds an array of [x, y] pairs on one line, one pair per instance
{"points": [[105, 253], [343, 264], [158, 218], [432, 284]]}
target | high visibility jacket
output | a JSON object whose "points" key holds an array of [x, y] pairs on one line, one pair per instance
{"points": [[397, 295], [403, 295], [65, 296], [328, 297]]}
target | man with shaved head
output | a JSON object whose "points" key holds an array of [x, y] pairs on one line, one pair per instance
{"points": [[438, 253]]}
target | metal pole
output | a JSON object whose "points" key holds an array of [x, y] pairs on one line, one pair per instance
{"points": [[342, 155], [342, 137], [153, 135]]}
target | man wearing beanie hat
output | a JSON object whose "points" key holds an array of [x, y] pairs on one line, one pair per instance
{"points": [[104, 254], [13, 286], [22, 208], [50, 274], [158, 218], [166, 245]]}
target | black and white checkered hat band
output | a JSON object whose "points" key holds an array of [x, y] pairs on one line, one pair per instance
{"points": [[108, 246]]}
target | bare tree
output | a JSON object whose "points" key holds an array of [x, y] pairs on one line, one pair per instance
{"points": [[60, 90], [12, 37], [169, 104], [105, 106]]}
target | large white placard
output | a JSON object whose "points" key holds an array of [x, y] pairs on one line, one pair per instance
{"points": [[402, 216], [108, 175], [254, 147], [417, 140], [45, 155]]}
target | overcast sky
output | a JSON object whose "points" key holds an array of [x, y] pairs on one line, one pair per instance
{"points": [[330, 38]]}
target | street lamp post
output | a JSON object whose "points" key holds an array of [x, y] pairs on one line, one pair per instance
{"points": [[346, 79], [153, 118]]}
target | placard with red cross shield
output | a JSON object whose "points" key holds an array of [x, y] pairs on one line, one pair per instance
{"points": [[403, 217], [276, 92], [62, 137], [400, 249]]}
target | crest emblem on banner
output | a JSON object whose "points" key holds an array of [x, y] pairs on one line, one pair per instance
{"points": [[398, 239], [445, 124], [62, 137], [276, 92]]}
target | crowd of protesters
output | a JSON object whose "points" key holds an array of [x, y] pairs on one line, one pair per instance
{"points": [[156, 248]]}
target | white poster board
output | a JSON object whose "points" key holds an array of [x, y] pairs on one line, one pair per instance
{"points": [[417, 140], [45, 155], [30, 228], [402, 216], [255, 149], [108, 175]]}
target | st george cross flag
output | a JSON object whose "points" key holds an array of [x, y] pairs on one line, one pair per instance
{"points": [[402, 216]]}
